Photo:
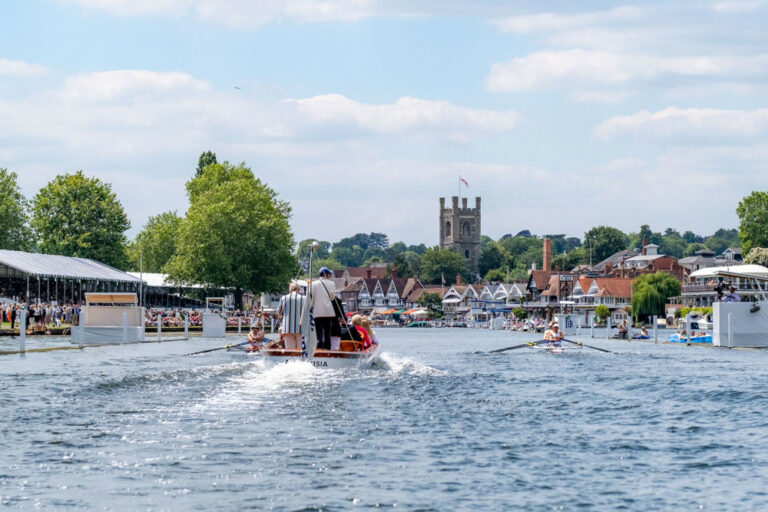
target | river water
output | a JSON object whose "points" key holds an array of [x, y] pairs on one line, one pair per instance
{"points": [[434, 426]]}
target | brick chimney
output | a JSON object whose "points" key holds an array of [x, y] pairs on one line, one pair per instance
{"points": [[393, 273], [458, 278], [547, 255], [645, 242], [368, 273]]}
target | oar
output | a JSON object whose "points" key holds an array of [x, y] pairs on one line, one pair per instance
{"points": [[219, 348], [590, 346], [513, 347]]}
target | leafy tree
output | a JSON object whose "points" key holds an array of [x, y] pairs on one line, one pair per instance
{"points": [[330, 263], [693, 248], [407, 264], [349, 257], [484, 241], [397, 248], [437, 262], [496, 275], [14, 231], [235, 235], [672, 244], [156, 243], [322, 252], [430, 300], [523, 251], [206, 158], [520, 313], [753, 220], [692, 238], [604, 241], [379, 240], [493, 256], [418, 249], [757, 256], [602, 312], [650, 293], [74, 215]]}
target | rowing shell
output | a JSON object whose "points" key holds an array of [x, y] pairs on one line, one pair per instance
{"points": [[553, 349], [331, 359]]}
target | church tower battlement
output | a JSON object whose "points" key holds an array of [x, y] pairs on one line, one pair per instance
{"points": [[460, 230]]}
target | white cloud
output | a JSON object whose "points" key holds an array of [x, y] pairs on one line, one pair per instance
{"points": [[550, 69], [19, 68], [547, 22], [687, 124], [243, 13], [404, 115], [739, 6]]}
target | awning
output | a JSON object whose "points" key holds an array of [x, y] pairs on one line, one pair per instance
{"points": [[455, 300], [19, 264]]}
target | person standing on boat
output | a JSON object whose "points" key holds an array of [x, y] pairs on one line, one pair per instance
{"points": [[732, 295], [289, 312], [323, 292]]}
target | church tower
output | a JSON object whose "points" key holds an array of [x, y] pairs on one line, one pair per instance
{"points": [[460, 230]]}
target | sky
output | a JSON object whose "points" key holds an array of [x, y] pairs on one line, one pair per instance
{"points": [[561, 115]]}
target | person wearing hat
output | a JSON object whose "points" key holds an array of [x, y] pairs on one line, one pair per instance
{"points": [[323, 292], [553, 334], [732, 295]]}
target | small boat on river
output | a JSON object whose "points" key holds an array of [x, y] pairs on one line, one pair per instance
{"points": [[348, 355]]}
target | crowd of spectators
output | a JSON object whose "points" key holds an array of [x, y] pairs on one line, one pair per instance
{"points": [[41, 316], [175, 317]]}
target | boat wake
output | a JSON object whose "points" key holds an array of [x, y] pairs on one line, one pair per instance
{"points": [[398, 365]]}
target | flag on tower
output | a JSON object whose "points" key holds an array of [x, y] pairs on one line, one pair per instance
{"points": [[464, 181]]}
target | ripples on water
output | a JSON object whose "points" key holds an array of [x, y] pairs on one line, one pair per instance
{"points": [[433, 426]]}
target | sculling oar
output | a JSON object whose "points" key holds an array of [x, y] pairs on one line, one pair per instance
{"points": [[219, 348], [513, 347], [589, 346]]}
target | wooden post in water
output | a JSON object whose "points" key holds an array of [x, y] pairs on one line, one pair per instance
{"points": [[608, 327], [272, 325], [186, 326], [125, 327], [730, 340], [159, 326], [592, 326], [239, 325], [655, 326], [22, 330], [688, 327]]}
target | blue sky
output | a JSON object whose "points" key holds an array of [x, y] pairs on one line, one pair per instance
{"points": [[362, 113]]}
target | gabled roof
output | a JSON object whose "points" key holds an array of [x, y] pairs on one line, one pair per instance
{"points": [[399, 283], [615, 259], [376, 272], [619, 287], [540, 279]]}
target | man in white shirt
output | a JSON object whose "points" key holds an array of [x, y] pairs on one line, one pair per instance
{"points": [[732, 296], [323, 291]]}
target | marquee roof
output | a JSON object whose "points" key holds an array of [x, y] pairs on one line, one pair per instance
{"points": [[21, 264]]}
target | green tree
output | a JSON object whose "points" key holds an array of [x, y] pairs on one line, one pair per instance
{"points": [[520, 313], [407, 264], [431, 300], [206, 158], [496, 275], [757, 256], [437, 262], [650, 293], [602, 312], [156, 243], [74, 215], [493, 256], [753, 221], [322, 252], [236, 234], [604, 241], [14, 231]]}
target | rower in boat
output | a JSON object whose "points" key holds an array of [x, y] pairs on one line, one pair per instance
{"points": [[553, 335]]}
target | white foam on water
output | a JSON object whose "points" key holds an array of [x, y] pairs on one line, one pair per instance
{"points": [[261, 384], [405, 365]]}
